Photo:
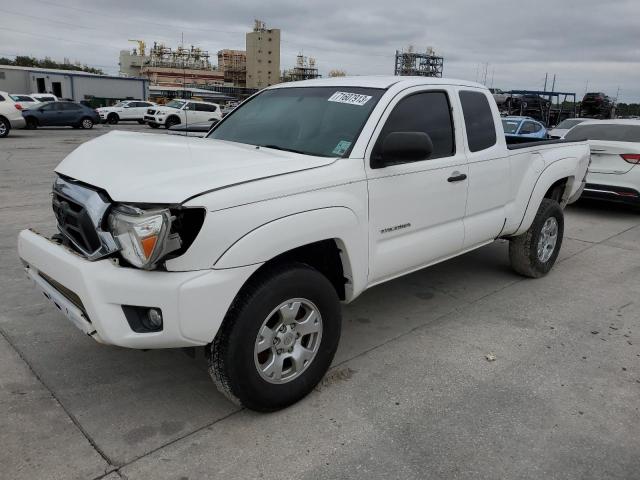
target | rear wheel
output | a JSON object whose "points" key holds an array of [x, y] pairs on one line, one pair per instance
{"points": [[5, 127], [533, 253], [113, 118], [277, 339], [86, 123], [32, 123]]}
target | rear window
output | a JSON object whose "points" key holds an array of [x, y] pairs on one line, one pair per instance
{"points": [[21, 98], [570, 123], [478, 120], [611, 132]]}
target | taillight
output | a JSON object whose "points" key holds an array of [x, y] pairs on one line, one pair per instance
{"points": [[631, 158], [18, 106]]}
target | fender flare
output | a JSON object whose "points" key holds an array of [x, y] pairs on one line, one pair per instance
{"points": [[563, 168], [267, 241]]}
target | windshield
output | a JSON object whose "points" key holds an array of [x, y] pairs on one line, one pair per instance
{"points": [[322, 121], [121, 104], [510, 126], [175, 104], [569, 123], [610, 132]]}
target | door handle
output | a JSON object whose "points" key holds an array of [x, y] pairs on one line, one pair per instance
{"points": [[456, 177]]}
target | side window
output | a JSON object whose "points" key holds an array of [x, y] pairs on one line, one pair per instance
{"points": [[1, 98], [427, 112], [189, 106], [478, 120], [203, 107], [70, 106]]}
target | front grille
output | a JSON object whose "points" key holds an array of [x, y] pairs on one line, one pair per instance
{"points": [[80, 211], [151, 111], [75, 223]]}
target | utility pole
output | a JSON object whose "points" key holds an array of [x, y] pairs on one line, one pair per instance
{"points": [[493, 72], [546, 76]]}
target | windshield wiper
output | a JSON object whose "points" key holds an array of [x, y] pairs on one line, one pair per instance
{"points": [[284, 149]]}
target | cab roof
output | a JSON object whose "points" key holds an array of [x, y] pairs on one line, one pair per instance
{"points": [[377, 81]]}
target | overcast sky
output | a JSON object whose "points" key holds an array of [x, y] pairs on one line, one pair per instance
{"points": [[582, 42]]}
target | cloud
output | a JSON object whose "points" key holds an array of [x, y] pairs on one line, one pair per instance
{"points": [[579, 41]]}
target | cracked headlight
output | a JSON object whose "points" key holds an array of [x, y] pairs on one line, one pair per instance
{"points": [[144, 236]]}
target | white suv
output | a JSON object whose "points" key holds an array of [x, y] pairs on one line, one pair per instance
{"points": [[182, 111], [125, 110], [10, 114]]}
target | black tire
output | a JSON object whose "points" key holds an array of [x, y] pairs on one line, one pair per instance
{"points": [[154, 125], [86, 123], [231, 358], [5, 127], [113, 118], [32, 123], [523, 249], [141, 122], [171, 121]]}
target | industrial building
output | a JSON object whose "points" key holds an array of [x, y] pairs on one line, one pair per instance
{"points": [[233, 66], [165, 66], [424, 64], [263, 56], [305, 69], [91, 88]]}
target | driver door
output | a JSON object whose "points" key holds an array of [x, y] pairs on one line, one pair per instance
{"points": [[417, 208]]}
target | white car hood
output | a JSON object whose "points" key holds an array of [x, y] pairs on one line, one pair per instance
{"points": [[152, 168]]}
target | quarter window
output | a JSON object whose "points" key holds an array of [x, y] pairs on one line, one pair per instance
{"points": [[478, 120], [427, 112]]}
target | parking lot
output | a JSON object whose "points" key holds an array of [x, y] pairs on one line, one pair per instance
{"points": [[411, 394]]}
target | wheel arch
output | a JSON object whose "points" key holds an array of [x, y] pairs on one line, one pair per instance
{"points": [[555, 182], [328, 239]]}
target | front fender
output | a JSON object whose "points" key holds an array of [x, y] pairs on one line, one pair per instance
{"points": [[283, 234], [563, 168]]}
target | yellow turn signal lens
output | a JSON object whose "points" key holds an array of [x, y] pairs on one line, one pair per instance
{"points": [[148, 244]]}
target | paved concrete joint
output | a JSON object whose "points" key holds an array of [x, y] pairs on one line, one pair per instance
{"points": [[463, 370]]}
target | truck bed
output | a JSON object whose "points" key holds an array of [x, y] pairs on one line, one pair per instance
{"points": [[515, 143]]}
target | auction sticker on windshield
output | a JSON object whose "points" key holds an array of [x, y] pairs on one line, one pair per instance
{"points": [[341, 148], [350, 98]]}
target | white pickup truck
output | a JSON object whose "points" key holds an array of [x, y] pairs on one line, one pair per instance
{"points": [[307, 194]]}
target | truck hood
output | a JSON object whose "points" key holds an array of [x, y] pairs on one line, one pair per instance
{"points": [[156, 168]]}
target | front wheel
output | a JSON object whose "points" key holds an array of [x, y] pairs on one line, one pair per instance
{"points": [[171, 121], [153, 125], [113, 118], [533, 253], [277, 339], [32, 123]]}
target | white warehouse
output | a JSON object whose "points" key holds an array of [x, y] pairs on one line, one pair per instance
{"points": [[78, 86]]}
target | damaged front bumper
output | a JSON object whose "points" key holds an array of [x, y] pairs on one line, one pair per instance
{"points": [[92, 294]]}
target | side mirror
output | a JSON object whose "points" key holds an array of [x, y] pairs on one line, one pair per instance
{"points": [[403, 147]]}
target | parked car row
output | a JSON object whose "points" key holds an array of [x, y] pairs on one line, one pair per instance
{"points": [[182, 111], [191, 117]]}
